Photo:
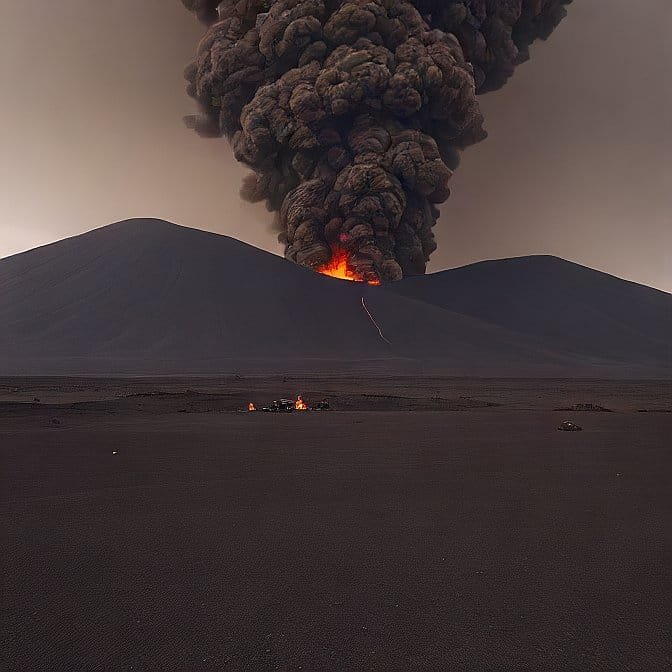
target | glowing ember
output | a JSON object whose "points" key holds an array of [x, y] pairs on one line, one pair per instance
{"points": [[251, 407], [338, 267], [300, 404]]}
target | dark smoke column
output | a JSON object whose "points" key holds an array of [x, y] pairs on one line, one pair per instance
{"points": [[353, 114]]}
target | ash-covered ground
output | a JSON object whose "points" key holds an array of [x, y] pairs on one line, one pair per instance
{"points": [[434, 524]]}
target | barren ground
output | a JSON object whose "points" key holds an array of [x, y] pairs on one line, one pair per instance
{"points": [[434, 524]]}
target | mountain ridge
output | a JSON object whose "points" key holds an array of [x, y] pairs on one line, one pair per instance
{"points": [[601, 312], [147, 296]]}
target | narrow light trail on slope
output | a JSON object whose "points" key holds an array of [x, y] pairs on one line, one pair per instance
{"points": [[375, 324]]}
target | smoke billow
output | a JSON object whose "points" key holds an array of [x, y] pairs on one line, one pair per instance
{"points": [[353, 114]]}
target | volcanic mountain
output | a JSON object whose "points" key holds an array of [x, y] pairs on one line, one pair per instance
{"points": [[564, 305], [144, 296]]}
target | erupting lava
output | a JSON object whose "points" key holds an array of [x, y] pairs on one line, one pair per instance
{"points": [[300, 404], [338, 267]]}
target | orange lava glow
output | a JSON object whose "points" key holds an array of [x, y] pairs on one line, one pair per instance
{"points": [[251, 407], [338, 267], [299, 404]]}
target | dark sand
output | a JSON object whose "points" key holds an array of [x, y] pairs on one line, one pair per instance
{"points": [[417, 526]]}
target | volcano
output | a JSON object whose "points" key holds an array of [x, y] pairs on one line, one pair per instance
{"points": [[144, 296], [564, 305]]}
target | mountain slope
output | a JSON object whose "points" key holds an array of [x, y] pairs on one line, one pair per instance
{"points": [[146, 296], [560, 303]]}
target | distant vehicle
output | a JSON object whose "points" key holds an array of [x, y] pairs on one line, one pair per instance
{"points": [[282, 406]]}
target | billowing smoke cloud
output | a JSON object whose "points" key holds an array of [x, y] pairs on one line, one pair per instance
{"points": [[353, 113]]}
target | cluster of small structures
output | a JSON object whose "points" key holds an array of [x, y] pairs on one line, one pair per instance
{"points": [[590, 408], [289, 406]]}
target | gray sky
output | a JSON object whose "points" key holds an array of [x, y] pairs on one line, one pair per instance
{"points": [[577, 164]]}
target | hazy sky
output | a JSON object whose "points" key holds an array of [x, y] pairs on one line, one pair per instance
{"points": [[578, 163]]}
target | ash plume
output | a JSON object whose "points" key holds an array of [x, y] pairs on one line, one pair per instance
{"points": [[353, 114]]}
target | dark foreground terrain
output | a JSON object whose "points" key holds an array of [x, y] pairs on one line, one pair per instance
{"points": [[440, 524]]}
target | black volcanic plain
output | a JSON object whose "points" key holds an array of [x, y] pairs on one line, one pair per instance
{"points": [[421, 524]]}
